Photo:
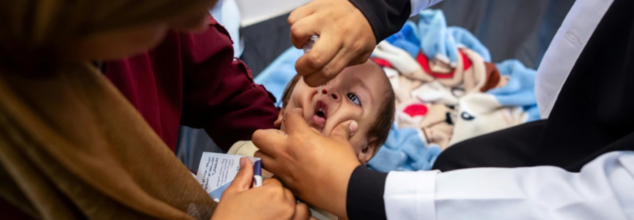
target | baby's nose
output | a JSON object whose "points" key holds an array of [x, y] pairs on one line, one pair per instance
{"points": [[332, 94]]}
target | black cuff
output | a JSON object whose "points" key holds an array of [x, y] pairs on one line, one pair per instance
{"points": [[365, 194], [385, 16]]}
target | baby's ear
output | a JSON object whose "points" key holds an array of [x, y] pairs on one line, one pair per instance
{"points": [[369, 150], [278, 122]]}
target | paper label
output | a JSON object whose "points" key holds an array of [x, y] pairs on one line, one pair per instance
{"points": [[216, 171]]}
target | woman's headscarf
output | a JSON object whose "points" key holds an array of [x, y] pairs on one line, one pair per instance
{"points": [[71, 146]]}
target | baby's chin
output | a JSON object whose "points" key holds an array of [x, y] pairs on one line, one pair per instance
{"points": [[323, 131]]}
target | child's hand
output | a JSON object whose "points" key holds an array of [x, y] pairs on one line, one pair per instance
{"points": [[270, 201]]}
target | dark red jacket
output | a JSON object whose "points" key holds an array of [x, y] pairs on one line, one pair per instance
{"points": [[194, 80]]}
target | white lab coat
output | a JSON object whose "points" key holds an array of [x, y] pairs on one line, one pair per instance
{"points": [[603, 190]]}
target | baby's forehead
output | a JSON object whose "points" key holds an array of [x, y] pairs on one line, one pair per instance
{"points": [[369, 67], [369, 73]]}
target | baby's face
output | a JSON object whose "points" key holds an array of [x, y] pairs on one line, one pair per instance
{"points": [[357, 93]]}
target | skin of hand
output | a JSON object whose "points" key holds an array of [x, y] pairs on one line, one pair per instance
{"points": [[317, 168], [270, 201], [345, 38]]}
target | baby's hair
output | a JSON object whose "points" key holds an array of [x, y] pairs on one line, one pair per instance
{"points": [[289, 90], [381, 127]]}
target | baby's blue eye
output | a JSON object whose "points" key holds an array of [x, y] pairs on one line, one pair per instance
{"points": [[354, 98]]}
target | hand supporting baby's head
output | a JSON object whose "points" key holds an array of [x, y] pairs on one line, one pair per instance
{"points": [[361, 93]]}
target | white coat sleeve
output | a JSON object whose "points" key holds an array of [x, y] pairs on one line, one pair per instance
{"points": [[603, 189]]}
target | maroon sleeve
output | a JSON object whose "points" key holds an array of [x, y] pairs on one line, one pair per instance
{"points": [[219, 92]]}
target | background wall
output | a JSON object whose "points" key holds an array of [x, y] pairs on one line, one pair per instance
{"points": [[254, 11]]}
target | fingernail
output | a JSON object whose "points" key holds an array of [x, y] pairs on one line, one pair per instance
{"points": [[353, 127], [243, 161]]}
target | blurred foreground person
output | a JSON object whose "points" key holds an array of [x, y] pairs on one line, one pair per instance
{"points": [[71, 145]]}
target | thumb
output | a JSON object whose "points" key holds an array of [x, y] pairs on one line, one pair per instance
{"points": [[344, 130], [295, 123], [244, 178]]}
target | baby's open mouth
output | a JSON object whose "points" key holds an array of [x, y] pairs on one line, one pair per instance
{"points": [[321, 114]]}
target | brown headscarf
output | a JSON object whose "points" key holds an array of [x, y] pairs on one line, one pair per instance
{"points": [[71, 146]]}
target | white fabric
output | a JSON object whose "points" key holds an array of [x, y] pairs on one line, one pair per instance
{"points": [[602, 190], [481, 113], [390, 73], [435, 92], [418, 5], [226, 12], [401, 60], [567, 45], [412, 200]]}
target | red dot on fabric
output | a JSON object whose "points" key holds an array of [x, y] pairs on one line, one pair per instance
{"points": [[416, 110], [422, 60], [465, 60]]}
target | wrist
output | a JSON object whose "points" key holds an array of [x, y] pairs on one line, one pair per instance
{"points": [[334, 200], [385, 17], [364, 199]]}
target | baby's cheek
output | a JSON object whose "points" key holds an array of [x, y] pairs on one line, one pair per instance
{"points": [[296, 102], [358, 142]]}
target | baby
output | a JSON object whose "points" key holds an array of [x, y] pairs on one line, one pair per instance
{"points": [[362, 93]]}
